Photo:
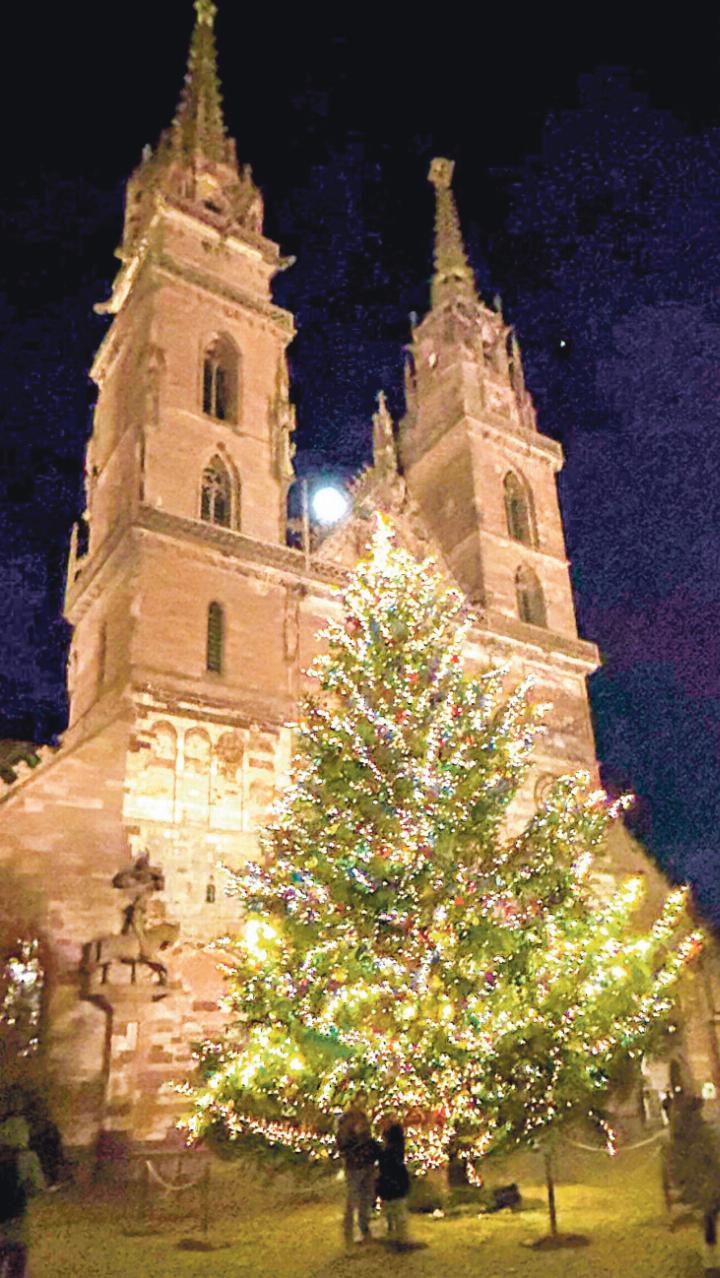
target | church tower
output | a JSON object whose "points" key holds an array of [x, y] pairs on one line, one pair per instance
{"points": [[191, 438], [483, 480], [483, 476], [190, 624]]}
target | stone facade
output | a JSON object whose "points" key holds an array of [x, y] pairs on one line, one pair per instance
{"points": [[193, 620]]}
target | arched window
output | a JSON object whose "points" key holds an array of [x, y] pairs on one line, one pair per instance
{"points": [[220, 380], [215, 638], [529, 595], [216, 494], [518, 514]]}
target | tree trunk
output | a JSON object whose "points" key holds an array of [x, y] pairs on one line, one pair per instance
{"points": [[550, 1184]]}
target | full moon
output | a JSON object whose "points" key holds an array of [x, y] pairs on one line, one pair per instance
{"points": [[329, 505]]}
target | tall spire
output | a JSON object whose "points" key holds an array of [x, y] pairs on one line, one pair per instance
{"points": [[199, 127], [453, 279]]}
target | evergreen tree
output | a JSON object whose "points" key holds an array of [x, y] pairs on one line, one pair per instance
{"points": [[400, 947]]}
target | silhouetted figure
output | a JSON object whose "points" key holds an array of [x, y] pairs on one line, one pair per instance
{"points": [[20, 1176], [694, 1167], [360, 1154], [393, 1184]]}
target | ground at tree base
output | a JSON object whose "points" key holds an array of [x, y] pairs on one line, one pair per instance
{"points": [[263, 1225]]}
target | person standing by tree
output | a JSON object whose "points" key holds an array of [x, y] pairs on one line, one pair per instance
{"points": [[360, 1154], [694, 1167], [20, 1176], [393, 1184]]}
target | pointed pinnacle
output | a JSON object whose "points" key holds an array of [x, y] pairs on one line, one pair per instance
{"points": [[206, 11], [199, 126], [453, 278]]}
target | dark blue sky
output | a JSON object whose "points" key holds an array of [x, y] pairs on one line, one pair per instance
{"points": [[588, 179]]}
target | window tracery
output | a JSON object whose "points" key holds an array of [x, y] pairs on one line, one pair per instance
{"points": [[518, 511], [220, 380], [216, 496], [529, 596]]}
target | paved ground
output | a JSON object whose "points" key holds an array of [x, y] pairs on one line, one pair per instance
{"points": [[265, 1226]]}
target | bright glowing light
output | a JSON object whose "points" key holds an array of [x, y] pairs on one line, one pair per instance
{"points": [[257, 931], [329, 504]]}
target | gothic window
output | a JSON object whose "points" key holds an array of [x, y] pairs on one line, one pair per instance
{"points": [[220, 380], [215, 638], [529, 595], [517, 510], [216, 494]]}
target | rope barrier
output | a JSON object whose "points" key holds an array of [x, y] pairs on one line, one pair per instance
{"points": [[201, 1183], [167, 1185], [621, 1149]]}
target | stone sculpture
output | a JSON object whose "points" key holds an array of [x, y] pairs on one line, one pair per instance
{"points": [[139, 941]]}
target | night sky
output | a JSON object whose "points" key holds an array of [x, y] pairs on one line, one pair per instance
{"points": [[588, 179]]}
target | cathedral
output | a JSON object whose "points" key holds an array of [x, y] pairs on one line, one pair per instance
{"points": [[194, 615]]}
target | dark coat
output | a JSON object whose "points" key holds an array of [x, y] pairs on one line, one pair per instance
{"points": [[393, 1181], [358, 1151]]}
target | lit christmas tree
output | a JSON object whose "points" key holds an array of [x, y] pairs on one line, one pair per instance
{"points": [[399, 947]]}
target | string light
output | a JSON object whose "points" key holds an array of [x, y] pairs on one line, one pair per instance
{"points": [[23, 979]]}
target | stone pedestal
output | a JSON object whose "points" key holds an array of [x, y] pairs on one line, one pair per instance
{"points": [[141, 1060]]}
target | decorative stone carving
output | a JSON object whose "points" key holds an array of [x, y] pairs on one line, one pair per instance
{"points": [[153, 374], [283, 416], [193, 782], [384, 450], [544, 785], [154, 790], [227, 782], [291, 628]]}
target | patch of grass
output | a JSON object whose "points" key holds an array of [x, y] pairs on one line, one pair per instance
{"points": [[260, 1227]]}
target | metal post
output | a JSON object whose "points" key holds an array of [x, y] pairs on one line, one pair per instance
{"points": [[550, 1186], [205, 1216], [145, 1193]]}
